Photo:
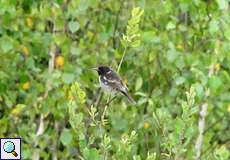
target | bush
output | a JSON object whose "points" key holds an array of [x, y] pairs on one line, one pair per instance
{"points": [[173, 56]]}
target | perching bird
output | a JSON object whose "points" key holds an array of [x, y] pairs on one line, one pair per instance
{"points": [[110, 81]]}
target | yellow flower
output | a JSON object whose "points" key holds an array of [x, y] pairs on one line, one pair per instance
{"points": [[26, 85], [17, 109], [146, 125], [25, 51], [29, 22], [59, 61]]}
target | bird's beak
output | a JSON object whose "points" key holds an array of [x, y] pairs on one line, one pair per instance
{"points": [[95, 68]]}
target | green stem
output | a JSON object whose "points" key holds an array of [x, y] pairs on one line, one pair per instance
{"points": [[122, 59]]}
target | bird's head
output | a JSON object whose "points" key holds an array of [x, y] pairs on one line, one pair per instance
{"points": [[102, 69]]}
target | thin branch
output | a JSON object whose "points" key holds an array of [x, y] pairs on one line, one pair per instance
{"points": [[107, 103], [212, 147], [98, 98], [36, 155], [41, 126], [122, 59], [201, 123], [214, 124], [40, 130], [48, 87], [95, 97], [201, 126], [54, 147]]}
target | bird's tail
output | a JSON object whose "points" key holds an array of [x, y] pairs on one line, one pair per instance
{"points": [[129, 97]]}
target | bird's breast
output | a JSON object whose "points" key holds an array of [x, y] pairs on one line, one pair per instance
{"points": [[104, 84]]}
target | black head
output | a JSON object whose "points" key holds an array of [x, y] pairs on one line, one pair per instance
{"points": [[103, 70]]}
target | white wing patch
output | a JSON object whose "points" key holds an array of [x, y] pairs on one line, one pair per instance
{"points": [[104, 85], [104, 77]]}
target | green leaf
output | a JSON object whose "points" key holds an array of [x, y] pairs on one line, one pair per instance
{"points": [[119, 123], [170, 26], [66, 137], [73, 26], [213, 26], [75, 50], [222, 153], [222, 4], [148, 36], [214, 83], [138, 84], [6, 45], [151, 156], [199, 90], [91, 154], [180, 80], [172, 55], [68, 78], [84, 4], [152, 56], [75, 119]]}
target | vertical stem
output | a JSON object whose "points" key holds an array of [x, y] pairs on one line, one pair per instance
{"points": [[48, 87], [201, 126], [40, 130], [122, 59], [201, 122]]}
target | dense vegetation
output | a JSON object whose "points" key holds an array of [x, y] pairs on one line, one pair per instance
{"points": [[176, 63]]}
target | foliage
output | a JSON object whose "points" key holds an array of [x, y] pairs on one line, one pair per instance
{"points": [[174, 56], [131, 38]]}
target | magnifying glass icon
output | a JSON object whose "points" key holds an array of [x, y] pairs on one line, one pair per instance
{"points": [[9, 147]]}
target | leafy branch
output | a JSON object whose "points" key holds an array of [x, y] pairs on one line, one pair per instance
{"points": [[132, 36]]}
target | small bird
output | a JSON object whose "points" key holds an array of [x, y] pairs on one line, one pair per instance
{"points": [[110, 81]]}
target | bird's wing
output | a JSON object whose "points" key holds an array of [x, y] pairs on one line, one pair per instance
{"points": [[114, 80]]}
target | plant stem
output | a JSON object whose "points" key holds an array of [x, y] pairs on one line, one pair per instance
{"points": [[201, 126], [121, 61]]}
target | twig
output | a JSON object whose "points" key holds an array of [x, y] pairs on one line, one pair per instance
{"points": [[213, 147], [122, 59], [109, 101], [201, 126], [36, 155], [41, 126], [214, 124], [201, 123], [95, 98], [98, 98], [48, 87], [54, 147]]}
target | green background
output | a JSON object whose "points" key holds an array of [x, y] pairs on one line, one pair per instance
{"points": [[176, 60]]}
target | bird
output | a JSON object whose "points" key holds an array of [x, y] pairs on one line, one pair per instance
{"points": [[111, 82]]}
